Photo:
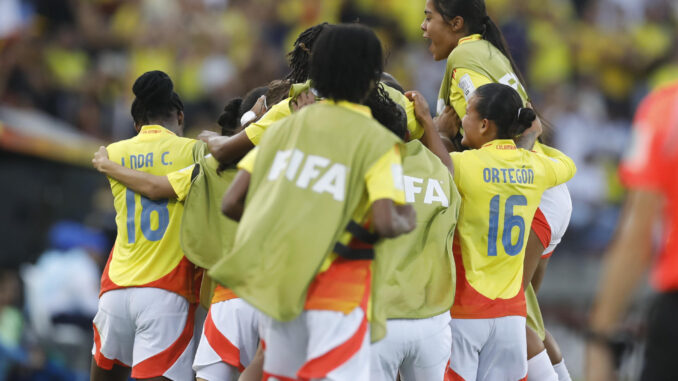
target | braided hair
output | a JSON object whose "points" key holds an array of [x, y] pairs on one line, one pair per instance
{"points": [[229, 120], [390, 114], [300, 55], [155, 99]]}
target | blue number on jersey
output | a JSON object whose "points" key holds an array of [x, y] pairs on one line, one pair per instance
{"points": [[147, 208], [510, 221]]}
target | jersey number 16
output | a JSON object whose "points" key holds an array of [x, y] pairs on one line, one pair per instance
{"points": [[147, 208], [510, 221]]}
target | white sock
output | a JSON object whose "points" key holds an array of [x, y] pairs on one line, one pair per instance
{"points": [[561, 369], [539, 368]]}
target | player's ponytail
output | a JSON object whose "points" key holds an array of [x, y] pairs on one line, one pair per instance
{"points": [[390, 114], [477, 21], [155, 98], [503, 105], [229, 120]]}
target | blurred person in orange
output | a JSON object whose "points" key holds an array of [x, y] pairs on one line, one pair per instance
{"points": [[652, 200]]}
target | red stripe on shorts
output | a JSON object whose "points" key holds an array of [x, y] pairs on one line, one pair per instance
{"points": [[268, 376], [102, 361], [319, 367], [451, 375], [541, 227], [229, 353], [156, 366]]}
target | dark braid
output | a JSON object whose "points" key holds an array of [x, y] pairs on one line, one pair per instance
{"points": [[502, 105], [387, 112], [155, 98], [301, 53]]}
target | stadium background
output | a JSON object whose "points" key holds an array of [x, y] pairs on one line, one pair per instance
{"points": [[66, 69]]}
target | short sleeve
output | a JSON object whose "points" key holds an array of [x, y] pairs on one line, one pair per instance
{"points": [[464, 83], [256, 129], [247, 162], [384, 179], [456, 164], [181, 181]]}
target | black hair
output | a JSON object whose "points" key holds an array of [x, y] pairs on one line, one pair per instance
{"points": [[278, 89], [503, 105], [390, 81], [346, 62], [300, 55], [477, 21], [390, 114], [229, 120], [155, 98]]}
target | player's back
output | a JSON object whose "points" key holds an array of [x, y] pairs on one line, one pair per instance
{"points": [[501, 187], [147, 245]]}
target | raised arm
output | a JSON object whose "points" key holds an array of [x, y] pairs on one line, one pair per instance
{"points": [[151, 186], [430, 139]]}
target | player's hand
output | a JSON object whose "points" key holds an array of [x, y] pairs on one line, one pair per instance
{"points": [[421, 110], [448, 122], [304, 99], [260, 107], [599, 365], [100, 159], [409, 216], [205, 135]]}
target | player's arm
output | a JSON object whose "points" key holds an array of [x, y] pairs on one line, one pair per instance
{"points": [[151, 186], [539, 273], [390, 217], [624, 266], [527, 139], [533, 252], [233, 203], [562, 167], [430, 138]]}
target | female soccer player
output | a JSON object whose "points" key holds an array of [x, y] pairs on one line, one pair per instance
{"points": [[414, 273], [147, 303], [302, 251], [228, 150], [462, 32], [501, 186], [230, 336]]}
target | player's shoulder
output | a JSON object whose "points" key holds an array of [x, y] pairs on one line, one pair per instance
{"points": [[652, 109]]}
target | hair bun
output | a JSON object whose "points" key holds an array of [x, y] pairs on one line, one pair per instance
{"points": [[526, 116], [229, 120], [153, 87]]}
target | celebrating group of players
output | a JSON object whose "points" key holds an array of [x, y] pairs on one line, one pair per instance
{"points": [[362, 239]]}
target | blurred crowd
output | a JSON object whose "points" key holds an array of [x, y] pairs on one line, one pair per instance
{"points": [[587, 64]]}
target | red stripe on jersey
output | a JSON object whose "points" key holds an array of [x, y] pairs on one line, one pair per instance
{"points": [[470, 304], [319, 367]]}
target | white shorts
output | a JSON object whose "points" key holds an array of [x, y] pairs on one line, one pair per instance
{"points": [[553, 216], [417, 348], [147, 329], [488, 349], [228, 342], [325, 345]]}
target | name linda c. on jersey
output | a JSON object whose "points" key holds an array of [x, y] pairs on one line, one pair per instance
{"points": [[141, 160]]}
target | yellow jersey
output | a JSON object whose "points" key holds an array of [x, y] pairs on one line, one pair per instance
{"points": [[147, 250], [501, 187]]}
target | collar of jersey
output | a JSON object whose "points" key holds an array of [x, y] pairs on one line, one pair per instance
{"points": [[473, 37], [351, 106], [500, 142], [153, 129]]}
